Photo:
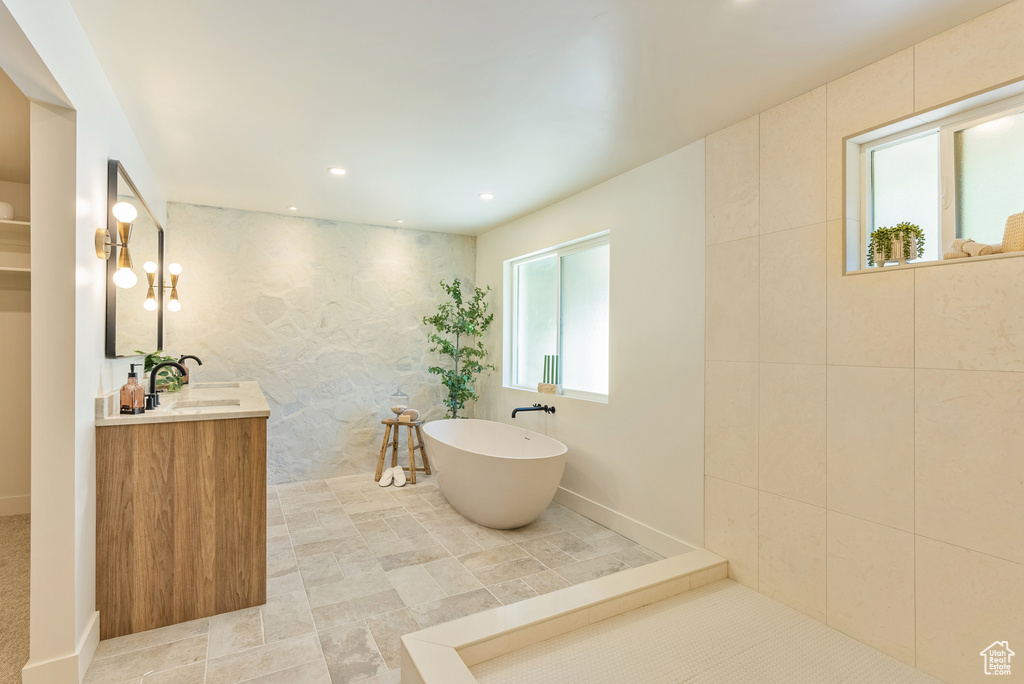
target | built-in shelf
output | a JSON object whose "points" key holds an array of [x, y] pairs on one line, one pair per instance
{"points": [[15, 246], [936, 262]]}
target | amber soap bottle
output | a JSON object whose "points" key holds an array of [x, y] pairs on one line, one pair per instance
{"points": [[133, 396]]}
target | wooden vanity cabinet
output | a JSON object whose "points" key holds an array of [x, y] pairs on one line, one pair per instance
{"points": [[180, 521]]}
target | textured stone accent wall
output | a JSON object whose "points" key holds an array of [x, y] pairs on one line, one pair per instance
{"points": [[324, 315]]}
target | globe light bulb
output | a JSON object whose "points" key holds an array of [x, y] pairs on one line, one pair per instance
{"points": [[149, 266], [125, 212], [175, 269], [174, 305], [125, 277], [149, 305]]}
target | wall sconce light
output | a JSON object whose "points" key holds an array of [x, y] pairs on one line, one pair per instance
{"points": [[173, 304], [150, 304], [125, 213]]}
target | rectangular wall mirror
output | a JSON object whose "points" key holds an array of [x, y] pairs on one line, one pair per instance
{"points": [[131, 327]]}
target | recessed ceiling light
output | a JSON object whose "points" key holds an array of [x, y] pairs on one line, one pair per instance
{"points": [[399, 221], [293, 208], [486, 196], [337, 171]]}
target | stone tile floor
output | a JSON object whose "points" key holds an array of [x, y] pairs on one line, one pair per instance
{"points": [[351, 567]]}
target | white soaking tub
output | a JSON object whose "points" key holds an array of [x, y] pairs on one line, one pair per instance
{"points": [[495, 474]]}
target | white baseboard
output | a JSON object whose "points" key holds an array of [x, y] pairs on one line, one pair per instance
{"points": [[642, 534], [87, 645], [15, 505], [69, 669]]}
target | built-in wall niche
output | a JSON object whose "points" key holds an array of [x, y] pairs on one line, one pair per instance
{"points": [[954, 172]]}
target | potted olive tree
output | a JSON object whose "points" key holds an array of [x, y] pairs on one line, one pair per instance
{"points": [[901, 243], [459, 325]]}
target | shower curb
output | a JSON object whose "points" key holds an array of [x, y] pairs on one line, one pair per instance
{"points": [[443, 654]]}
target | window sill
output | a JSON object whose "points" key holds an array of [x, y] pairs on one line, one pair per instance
{"points": [[937, 262], [594, 398]]}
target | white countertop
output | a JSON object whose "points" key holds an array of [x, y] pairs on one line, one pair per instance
{"points": [[198, 401]]}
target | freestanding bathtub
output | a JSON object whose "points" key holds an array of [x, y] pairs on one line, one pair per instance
{"points": [[495, 474]]}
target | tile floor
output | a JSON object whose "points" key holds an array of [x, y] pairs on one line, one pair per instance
{"points": [[351, 567]]}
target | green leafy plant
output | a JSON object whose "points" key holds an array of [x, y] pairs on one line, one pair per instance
{"points": [[168, 377], [459, 326], [882, 241]]}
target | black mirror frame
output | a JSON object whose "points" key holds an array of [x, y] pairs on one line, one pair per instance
{"points": [[114, 169]]}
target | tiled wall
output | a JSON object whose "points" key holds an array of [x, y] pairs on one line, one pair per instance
{"points": [[865, 434], [325, 315]]}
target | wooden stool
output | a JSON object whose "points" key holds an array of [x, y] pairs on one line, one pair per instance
{"points": [[393, 443]]}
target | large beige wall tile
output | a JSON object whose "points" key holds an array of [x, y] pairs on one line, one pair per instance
{"points": [[871, 584], [793, 163], [971, 316], [732, 303], [965, 601], [870, 316], [731, 422], [878, 93], [791, 554], [973, 56], [792, 296], [871, 444], [970, 460], [730, 527], [732, 185], [791, 446]]}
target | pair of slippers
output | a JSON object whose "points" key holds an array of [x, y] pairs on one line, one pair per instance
{"points": [[394, 476]]}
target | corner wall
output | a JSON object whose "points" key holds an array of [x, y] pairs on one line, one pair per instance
{"points": [[863, 441], [634, 464]]}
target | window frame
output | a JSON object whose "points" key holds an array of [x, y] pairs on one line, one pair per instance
{"points": [[512, 282], [947, 128]]}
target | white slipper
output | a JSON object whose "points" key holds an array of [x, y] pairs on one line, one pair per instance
{"points": [[388, 476], [399, 477]]}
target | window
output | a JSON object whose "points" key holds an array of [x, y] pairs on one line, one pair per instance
{"points": [[560, 308], [959, 176]]}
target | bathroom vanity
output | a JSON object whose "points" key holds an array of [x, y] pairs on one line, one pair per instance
{"points": [[181, 507]]}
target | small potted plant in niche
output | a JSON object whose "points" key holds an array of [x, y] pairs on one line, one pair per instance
{"points": [[459, 325], [168, 379], [901, 243]]}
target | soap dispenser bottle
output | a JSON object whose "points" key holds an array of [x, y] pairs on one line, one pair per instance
{"points": [[133, 395]]}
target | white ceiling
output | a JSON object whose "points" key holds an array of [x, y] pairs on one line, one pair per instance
{"points": [[427, 103]]}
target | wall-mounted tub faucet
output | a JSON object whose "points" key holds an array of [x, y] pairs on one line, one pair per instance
{"points": [[535, 407]]}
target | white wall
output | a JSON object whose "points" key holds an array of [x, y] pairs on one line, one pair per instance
{"points": [[635, 463], [46, 53], [15, 397]]}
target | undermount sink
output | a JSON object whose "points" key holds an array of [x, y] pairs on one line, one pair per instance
{"points": [[204, 403], [214, 385]]}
